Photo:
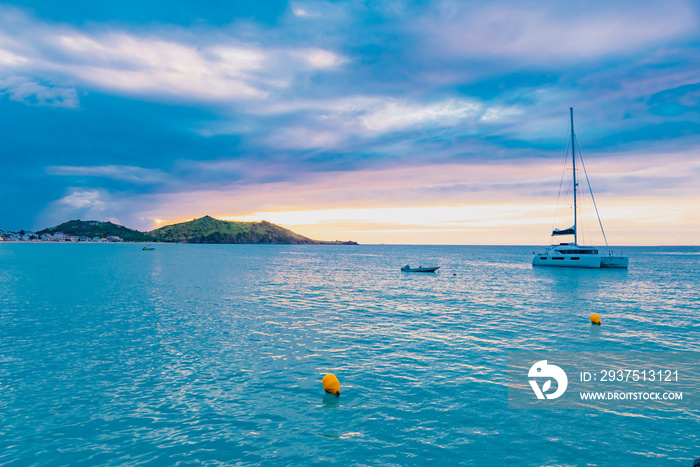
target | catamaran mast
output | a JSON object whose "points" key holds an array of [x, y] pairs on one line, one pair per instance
{"points": [[573, 159]]}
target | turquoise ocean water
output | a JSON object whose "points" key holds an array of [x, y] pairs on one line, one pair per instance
{"points": [[214, 354]]}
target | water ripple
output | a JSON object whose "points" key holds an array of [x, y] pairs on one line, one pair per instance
{"points": [[213, 354]]}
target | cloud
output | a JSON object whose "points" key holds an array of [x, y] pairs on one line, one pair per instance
{"points": [[77, 203], [298, 11], [214, 68], [322, 59], [329, 12], [10, 59], [93, 204], [30, 92], [552, 32], [344, 105], [394, 116], [138, 65], [81, 200], [510, 201], [429, 217], [332, 123], [306, 137], [138, 175]]}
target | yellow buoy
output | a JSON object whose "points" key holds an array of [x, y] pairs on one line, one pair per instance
{"points": [[595, 319], [331, 384]]}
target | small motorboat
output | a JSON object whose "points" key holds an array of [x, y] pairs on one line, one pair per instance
{"points": [[408, 268], [147, 248]]}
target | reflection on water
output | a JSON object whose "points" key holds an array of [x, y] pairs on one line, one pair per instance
{"points": [[212, 354], [331, 401]]}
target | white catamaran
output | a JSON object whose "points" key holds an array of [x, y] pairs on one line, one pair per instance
{"points": [[574, 255]]}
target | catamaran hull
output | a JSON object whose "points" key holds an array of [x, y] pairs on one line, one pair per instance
{"points": [[587, 261], [614, 262], [583, 261]]}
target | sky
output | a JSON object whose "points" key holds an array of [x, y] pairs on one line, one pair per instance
{"points": [[424, 122]]}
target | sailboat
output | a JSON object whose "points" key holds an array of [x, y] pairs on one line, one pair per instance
{"points": [[572, 254]]}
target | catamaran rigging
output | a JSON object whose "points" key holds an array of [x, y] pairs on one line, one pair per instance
{"points": [[573, 254]]}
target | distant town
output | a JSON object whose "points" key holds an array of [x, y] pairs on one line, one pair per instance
{"points": [[23, 236]]}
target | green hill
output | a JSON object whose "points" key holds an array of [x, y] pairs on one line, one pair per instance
{"points": [[98, 229], [203, 230], [209, 230]]}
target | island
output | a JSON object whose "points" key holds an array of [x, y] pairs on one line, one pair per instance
{"points": [[202, 230], [209, 230]]}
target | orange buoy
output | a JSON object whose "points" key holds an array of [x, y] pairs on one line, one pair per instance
{"points": [[595, 319], [331, 384]]}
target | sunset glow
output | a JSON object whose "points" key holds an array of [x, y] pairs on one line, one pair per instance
{"points": [[423, 122]]}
